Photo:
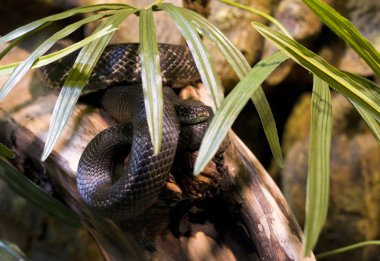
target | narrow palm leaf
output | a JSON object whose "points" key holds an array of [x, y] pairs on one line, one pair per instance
{"points": [[367, 85], [365, 95], [52, 57], [232, 106], [77, 79], [201, 56], [372, 124], [151, 77], [31, 192], [317, 196], [241, 66], [20, 31], [11, 252], [348, 32], [348, 248], [24, 66], [231, 53], [5, 152], [16, 41]]}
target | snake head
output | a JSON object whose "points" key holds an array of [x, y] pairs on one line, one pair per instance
{"points": [[192, 112]]}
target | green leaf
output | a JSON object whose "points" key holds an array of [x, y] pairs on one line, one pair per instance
{"points": [[232, 106], [151, 77], [10, 252], [201, 56], [317, 196], [372, 124], [31, 192], [365, 95], [5, 152], [348, 248], [241, 66], [77, 79], [20, 31], [348, 32], [16, 41], [233, 55], [49, 58], [24, 66], [269, 125]]}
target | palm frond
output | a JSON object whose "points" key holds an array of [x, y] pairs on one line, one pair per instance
{"points": [[232, 106], [365, 95], [5, 152], [241, 67], [347, 32], [151, 77], [201, 56], [77, 79], [31, 192], [318, 177]]}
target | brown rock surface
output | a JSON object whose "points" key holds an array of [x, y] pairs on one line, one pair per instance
{"points": [[365, 15], [306, 28], [236, 25], [166, 30], [354, 211]]}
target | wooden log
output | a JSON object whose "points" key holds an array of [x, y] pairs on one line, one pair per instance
{"points": [[249, 219]]}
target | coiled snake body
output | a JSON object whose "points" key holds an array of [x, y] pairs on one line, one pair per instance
{"points": [[144, 173]]}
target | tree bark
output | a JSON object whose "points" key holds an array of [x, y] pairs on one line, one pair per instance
{"points": [[246, 218]]}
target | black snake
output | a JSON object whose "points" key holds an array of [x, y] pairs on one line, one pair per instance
{"points": [[145, 173]]}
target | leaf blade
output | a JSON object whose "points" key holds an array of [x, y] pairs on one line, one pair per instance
{"points": [[317, 195], [11, 252], [24, 66], [232, 106], [348, 248], [20, 31], [77, 79], [52, 57], [241, 66], [366, 95], [31, 192], [201, 57], [346, 31], [5, 152], [151, 77], [372, 124]]}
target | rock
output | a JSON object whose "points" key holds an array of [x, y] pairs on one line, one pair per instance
{"points": [[301, 23], [354, 212], [166, 29], [236, 25], [307, 29], [365, 15]]}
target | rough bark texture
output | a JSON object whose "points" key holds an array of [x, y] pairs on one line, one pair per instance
{"points": [[250, 218]]}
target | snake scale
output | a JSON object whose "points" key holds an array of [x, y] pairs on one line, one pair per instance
{"points": [[133, 189]]}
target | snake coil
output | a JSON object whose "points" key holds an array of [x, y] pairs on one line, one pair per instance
{"points": [[144, 173]]}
